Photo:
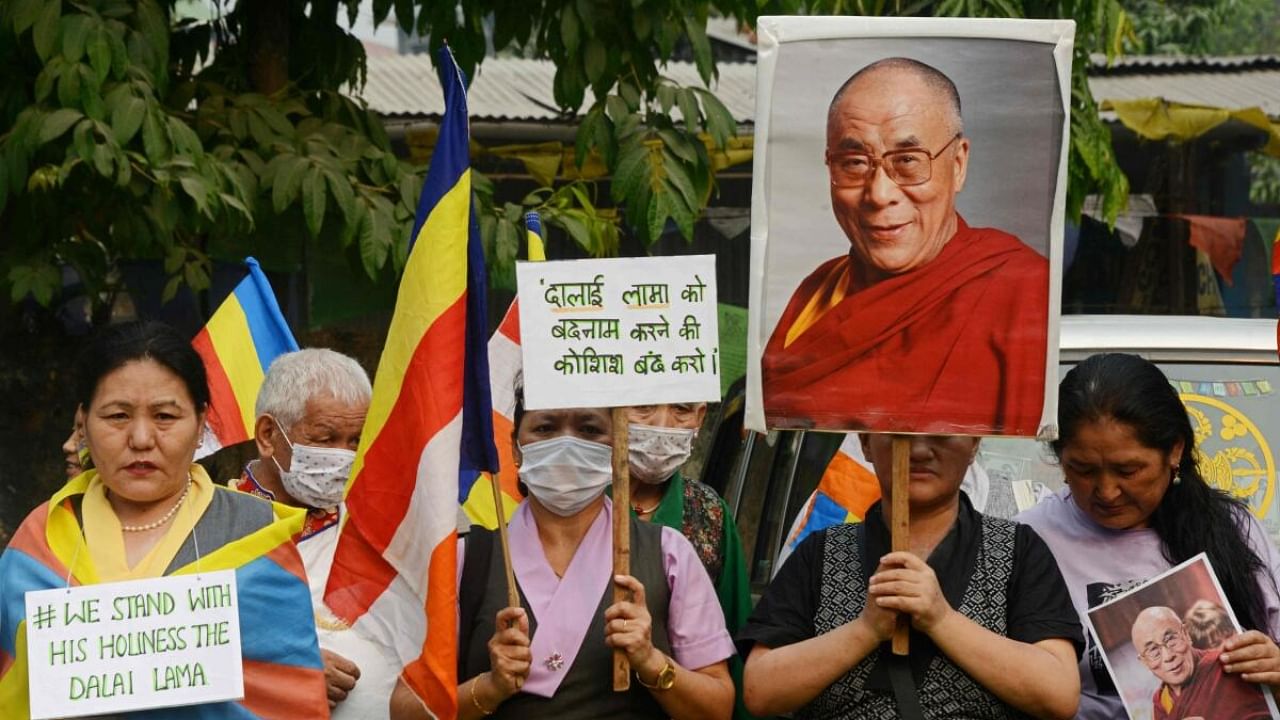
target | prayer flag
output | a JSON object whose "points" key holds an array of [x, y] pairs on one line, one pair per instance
{"points": [[243, 336], [428, 433], [1221, 238], [504, 367]]}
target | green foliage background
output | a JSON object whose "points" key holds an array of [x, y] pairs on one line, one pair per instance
{"points": [[128, 136], [131, 135]]}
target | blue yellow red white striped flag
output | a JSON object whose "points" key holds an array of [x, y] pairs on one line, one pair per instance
{"points": [[504, 369], [243, 336], [427, 435]]}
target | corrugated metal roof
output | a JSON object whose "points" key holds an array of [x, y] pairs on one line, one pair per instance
{"points": [[1231, 90], [1131, 64], [520, 89], [1231, 82]]}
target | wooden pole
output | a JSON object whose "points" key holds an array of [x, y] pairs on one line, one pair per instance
{"points": [[901, 527], [513, 595], [621, 534]]}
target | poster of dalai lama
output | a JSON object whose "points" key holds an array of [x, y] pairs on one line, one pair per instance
{"points": [[907, 223]]}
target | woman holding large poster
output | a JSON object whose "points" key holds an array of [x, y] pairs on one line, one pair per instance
{"points": [[993, 632]]}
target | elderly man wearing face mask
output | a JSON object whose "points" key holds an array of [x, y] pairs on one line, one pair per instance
{"points": [[310, 411], [660, 440]]}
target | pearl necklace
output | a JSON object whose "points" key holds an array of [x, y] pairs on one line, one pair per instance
{"points": [[167, 516], [645, 511]]}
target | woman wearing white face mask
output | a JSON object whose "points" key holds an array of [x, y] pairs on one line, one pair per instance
{"points": [[552, 657], [660, 442]]}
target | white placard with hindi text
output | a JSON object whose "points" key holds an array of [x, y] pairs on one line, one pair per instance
{"points": [[619, 331], [135, 645]]}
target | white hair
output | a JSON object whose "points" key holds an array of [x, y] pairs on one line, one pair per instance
{"points": [[296, 377]]}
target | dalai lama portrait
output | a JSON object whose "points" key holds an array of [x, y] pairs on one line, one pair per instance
{"points": [[926, 324], [1193, 683]]}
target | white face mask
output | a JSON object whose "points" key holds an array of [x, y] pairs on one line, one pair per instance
{"points": [[566, 473], [656, 453], [317, 475]]}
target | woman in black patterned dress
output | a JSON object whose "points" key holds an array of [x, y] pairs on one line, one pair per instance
{"points": [[993, 633]]}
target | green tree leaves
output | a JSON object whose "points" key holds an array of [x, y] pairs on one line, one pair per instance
{"points": [[120, 149], [58, 122], [653, 134]]}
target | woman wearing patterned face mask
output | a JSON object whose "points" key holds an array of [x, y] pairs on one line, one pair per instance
{"points": [[660, 441], [552, 657]]}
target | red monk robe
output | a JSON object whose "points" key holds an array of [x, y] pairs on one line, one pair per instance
{"points": [[956, 346], [1211, 694]]}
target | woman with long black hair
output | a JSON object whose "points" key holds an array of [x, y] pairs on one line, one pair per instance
{"points": [[1135, 505]]}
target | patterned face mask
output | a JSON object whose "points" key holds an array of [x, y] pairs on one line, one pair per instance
{"points": [[656, 453], [317, 475]]}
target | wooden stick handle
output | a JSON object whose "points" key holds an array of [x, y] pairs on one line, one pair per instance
{"points": [[900, 528], [513, 595], [621, 534]]}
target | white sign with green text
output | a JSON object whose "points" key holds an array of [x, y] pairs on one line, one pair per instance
{"points": [[134, 645], [619, 331]]}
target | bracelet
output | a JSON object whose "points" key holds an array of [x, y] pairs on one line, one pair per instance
{"points": [[476, 701], [665, 679]]}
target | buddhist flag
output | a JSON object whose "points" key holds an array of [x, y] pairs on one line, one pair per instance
{"points": [[428, 433], [504, 369], [245, 334], [533, 230]]}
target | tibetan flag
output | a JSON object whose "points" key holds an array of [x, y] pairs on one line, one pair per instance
{"points": [[428, 434], [283, 673], [504, 369], [245, 334], [848, 488]]}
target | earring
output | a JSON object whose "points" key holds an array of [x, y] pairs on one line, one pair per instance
{"points": [[1177, 475]]}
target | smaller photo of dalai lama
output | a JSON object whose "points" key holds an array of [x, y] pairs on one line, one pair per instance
{"points": [[1164, 645]]}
